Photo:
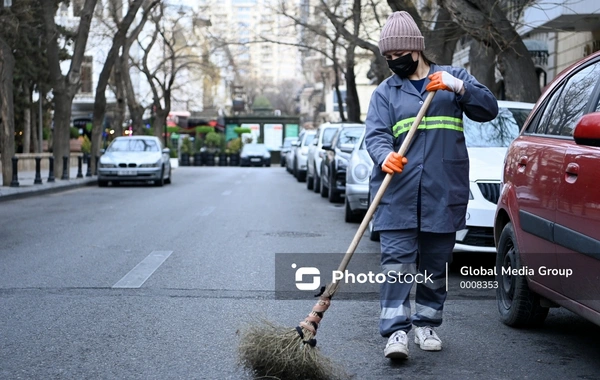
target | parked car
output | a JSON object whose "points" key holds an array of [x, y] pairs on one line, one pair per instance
{"points": [[333, 166], [487, 144], [255, 155], [135, 158], [300, 154], [358, 174], [285, 148], [547, 226], [325, 134]]}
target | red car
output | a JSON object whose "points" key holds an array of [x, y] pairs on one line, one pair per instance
{"points": [[547, 225]]}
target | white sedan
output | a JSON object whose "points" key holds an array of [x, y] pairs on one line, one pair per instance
{"points": [[135, 158]]}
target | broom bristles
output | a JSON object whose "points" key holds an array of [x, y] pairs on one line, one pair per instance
{"points": [[272, 351]]}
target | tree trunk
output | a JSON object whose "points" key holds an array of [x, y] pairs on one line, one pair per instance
{"points": [[61, 146], [482, 59], [336, 87], [518, 71], [120, 93], [34, 127], [27, 121], [351, 92], [7, 117], [160, 121]]}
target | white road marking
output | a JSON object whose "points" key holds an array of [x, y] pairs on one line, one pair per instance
{"points": [[206, 211], [226, 192], [138, 275]]}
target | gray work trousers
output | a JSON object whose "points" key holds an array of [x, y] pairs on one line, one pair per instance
{"points": [[404, 254]]}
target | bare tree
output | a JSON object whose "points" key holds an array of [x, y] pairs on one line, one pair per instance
{"points": [[7, 117], [487, 22], [100, 99], [64, 87], [180, 56]]}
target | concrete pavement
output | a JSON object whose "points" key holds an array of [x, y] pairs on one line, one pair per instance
{"points": [[27, 187]]}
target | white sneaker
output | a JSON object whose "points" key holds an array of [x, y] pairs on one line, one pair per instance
{"points": [[427, 339], [397, 346]]}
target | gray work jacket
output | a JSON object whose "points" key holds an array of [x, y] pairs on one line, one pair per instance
{"points": [[437, 156]]}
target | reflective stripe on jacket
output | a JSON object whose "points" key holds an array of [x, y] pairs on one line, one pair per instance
{"points": [[437, 156]]}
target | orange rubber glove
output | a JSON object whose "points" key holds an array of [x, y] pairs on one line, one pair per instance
{"points": [[394, 163], [443, 80]]}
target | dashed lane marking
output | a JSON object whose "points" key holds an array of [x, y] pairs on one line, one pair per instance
{"points": [[138, 275]]}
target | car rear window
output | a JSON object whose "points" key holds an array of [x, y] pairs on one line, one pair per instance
{"points": [[499, 132]]}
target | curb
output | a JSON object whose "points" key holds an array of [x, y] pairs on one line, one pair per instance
{"points": [[48, 190]]}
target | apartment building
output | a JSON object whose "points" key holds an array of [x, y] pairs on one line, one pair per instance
{"points": [[253, 44]]}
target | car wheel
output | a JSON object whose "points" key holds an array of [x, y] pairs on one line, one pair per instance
{"points": [[160, 182], [317, 182], [324, 191], [518, 306], [373, 235], [310, 181], [349, 215], [168, 180], [334, 196], [295, 170], [102, 183]]}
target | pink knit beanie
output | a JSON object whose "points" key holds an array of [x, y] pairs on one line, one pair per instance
{"points": [[400, 32]]}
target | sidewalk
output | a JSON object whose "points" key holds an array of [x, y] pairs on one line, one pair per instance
{"points": [[28, 188]]}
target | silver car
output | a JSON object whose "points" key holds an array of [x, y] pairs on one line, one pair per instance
{"points": [[325, 134], [135, 158], [358, 173]]}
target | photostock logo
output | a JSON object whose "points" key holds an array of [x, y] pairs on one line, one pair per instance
{"points": [[307, 271]]}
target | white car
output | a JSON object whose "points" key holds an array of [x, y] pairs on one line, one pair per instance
{"points": [[487, 144], [300, 154], [135, 158], [325, 134]]}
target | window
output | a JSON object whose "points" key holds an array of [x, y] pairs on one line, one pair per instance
{"points": [[499, 132], [573, 101], [539, 124]]}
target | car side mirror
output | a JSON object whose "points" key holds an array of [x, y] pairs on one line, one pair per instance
{"points": [[587, 130], [326, 147], [295, 143], [102, 151], [166, 150], [347, 148]]}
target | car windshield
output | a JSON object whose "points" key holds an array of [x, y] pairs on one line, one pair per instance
{"points": [[350, 135], [499, 132], [308, 139], [328, 134], [288, 143], [255, 149], [133, 145]]}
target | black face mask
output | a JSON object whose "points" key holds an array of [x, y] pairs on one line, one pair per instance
{"points": [[403, 66]]}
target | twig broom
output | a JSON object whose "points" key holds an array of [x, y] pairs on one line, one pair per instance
{"points": [[287, 353]]}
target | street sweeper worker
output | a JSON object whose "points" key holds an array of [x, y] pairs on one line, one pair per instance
{"points": [[426, 201]]}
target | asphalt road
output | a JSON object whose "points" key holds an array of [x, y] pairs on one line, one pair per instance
{"points": [[140, 282]]}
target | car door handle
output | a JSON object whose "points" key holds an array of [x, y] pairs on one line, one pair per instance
{"points": [[572, 169]]}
